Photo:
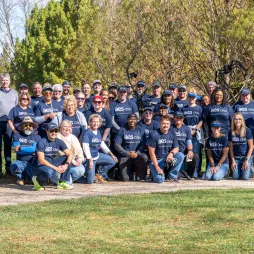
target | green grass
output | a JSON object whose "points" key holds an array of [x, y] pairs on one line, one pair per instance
{"points": [[209, 221]]}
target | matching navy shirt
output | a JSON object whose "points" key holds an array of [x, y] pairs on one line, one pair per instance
{"points": [[183, 134], [216, 145], [192, 115], [247, 110], [130, 140], [148, 128], [94, 141], [163, 143], [181, 103], [35, 101], [77, 128], [17, 114], [50, 148], [240, 145]]}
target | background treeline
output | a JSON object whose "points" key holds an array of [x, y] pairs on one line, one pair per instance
{"points": [[169, 40]]}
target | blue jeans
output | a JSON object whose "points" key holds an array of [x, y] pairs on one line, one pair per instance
{"points": [[106, 161], [75, 173], [157, 178], [221, 172], [44, 173], [21, 169], [239, 173], [196, 150]]}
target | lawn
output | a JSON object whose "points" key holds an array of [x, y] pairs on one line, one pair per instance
{"points": [[209, 221]]}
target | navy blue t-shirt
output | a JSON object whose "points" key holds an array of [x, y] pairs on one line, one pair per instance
{"points": [[121, 111], [22, 140], [87, 106], [240, 145], [192, 115], [43, 109], [148, 128], [130, 139], [220, 113], [247, 110], [163, 143], [182, 134], [77, 128], [180, 103], [106, 119], [50, 148], [94, 141], [216, 145], [17, 114], [151, 101], [35, 101], [157, 108]]}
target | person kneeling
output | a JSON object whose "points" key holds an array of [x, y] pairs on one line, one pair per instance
{"points": [[24, 145], [217, 152], [47, 166], [129, 145], [163, 148]]}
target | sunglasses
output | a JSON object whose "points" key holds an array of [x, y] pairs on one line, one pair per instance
{"points": [[48, 93], [80, 99], [54, 131], [181, 91], [25, 99], [148, 113], [97, 102], [28, 125]]}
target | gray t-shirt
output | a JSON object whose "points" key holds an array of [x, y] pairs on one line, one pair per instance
{"points": [[8, 100]]}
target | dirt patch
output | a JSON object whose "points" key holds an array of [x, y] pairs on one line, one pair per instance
{"points": [[12, 194]]}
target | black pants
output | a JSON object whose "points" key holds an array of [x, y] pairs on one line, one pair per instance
{"points": [[190, 166], [128, 165], [4, 137]]}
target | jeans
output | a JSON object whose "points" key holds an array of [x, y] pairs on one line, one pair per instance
{"points": [[7, 145], [21, 169], [128, 165], [220, 174], [196, 150], [106, 161], [75, 173], [239, 173], [44, 173], [173, 173]]}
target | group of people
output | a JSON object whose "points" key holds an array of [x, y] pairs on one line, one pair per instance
{"points": [[61, 134]]}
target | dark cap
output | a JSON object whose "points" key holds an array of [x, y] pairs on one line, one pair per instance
{"points": [[132, 115], [167, 91], [182, 87], [122, 89], [172, 86], [51, 126], [192, 95], [112, 86], [215, 124], [199, 97], [157, 84], [96, 81], [23, 85], [66, 83], [148, 108], [178, 114], [141, 83], [47, 88], [163, 105], [245, 91], [77, 89]]}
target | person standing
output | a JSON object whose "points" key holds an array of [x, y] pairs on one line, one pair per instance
{"points": [[8, 100], [37, 96], [67, 87]]}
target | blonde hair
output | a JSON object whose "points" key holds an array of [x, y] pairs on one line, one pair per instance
{"points": [[243, 126], [192, 90], [67, 122], [95, 116], [70, 98], [26, 94]]}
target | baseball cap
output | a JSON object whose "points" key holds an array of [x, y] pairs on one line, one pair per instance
{"points": [[66, 83], [156, 84], [51, 126], [122, 89], [178, 114], [112, 86], [182, 87], [148, 108], [172, 86], [245, 91], [131, 115], [192, 95], [215, 124], [163, 105], [141, 83], [97, 97], [96, 81], [23, 85], [167, 91], [47, 88]]}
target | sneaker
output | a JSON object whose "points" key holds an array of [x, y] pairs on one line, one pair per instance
{"points": [[37, 186], [21, 182], [99, 178], [64, 186], [175, 180], [185, 174]]}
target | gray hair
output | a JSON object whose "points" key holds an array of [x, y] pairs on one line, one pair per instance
{"points": [[212, 83], [58, 86], [5, 75]]}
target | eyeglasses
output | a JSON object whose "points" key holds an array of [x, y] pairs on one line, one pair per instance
{"points": [[80, 99], [24, 99], [27, 125], [97, 102], [57, 91], [54, 131], [237, 119]]}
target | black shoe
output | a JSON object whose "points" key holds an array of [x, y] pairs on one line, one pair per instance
{"points": [[175, 180], [187, 176]]}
